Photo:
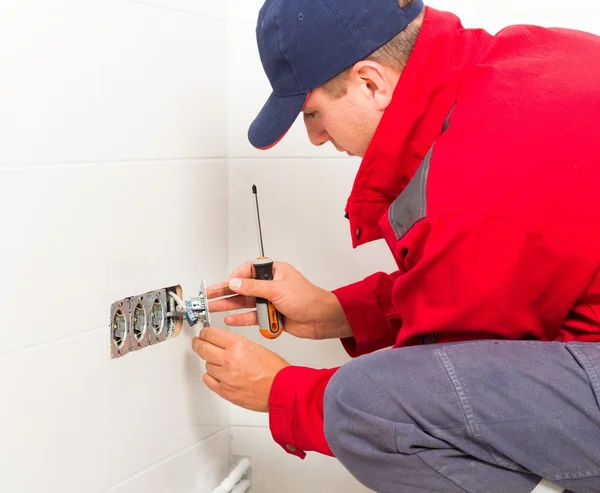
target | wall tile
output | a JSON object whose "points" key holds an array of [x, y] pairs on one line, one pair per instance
{"points": [[274, 470], [165, 223], [163, 84], [198, 469], [158, 405], [51, 253], [50, 84], [52, 420], [161, 240]]}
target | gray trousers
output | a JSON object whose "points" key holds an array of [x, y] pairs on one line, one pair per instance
{"points": [[476, 417]]}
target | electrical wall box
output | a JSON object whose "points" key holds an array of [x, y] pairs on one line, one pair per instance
{"points": [[144, 320]]}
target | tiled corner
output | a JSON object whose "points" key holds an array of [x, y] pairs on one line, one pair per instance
{"points": [[164, 75], [51, 253], [52, 417], [198, 469], [274, 470], [50, 84]]}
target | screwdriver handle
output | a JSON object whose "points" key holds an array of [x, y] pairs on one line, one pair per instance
{"points": [[270, 321]]}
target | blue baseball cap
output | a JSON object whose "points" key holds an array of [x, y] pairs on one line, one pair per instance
{"points": [[304, 43]]}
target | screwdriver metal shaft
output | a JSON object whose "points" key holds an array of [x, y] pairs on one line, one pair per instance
{"points": [[261, 247], [270, 321]]}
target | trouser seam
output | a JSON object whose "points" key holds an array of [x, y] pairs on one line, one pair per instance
{"points": [[465, 405]]}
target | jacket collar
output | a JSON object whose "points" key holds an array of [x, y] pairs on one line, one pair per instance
{"points": [[423, 97]]}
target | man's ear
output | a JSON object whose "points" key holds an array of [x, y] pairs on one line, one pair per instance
{"points": [[375, 82]]}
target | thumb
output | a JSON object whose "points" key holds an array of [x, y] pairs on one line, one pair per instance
{"points": [[253, 287]]}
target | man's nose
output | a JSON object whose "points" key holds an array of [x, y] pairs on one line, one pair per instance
{"points": [[317, 136]]}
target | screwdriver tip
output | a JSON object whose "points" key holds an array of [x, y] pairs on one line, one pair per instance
{"points": [[253, 188]]}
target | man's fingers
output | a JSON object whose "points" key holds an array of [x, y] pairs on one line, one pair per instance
{"points": [[254, 287], [217, 372], [242, 320], [217, 337], [212, 383], [234, 303], [207, 351]]}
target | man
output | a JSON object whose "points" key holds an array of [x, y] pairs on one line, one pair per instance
{"points": [[480, 169]]}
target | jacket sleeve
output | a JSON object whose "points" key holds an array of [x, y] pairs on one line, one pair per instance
{"points": [[473, 276], [296, 410], [371, 313], [296, 398]]}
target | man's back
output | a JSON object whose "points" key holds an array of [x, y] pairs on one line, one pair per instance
{"points": [[541, 153], [509, 242]]}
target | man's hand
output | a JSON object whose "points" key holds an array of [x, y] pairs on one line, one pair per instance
{"points": [[309, 312], [238, 370]]}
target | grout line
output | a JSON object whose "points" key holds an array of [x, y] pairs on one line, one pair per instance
{"points": [[45, 345], [83, 163], [173, 9], [40, 165], [103, 295], [166, 160], [164, 461]]}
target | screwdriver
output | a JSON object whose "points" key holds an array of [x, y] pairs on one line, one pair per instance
{"points": [[270, 321]]}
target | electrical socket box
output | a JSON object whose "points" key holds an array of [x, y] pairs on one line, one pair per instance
{"points": [[144, 320]]}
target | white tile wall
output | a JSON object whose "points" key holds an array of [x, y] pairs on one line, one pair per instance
{"points": [[50, 80], [51, 253], [52, 417], [197, 469], [163, 84], [113, 182]]}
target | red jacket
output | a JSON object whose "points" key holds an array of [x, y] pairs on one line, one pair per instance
{"points": [[494, 222]]}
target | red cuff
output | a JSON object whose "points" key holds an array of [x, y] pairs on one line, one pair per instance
{"points": [[296, 410], [370, 327]]}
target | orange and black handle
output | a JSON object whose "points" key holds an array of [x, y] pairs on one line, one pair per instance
{"points": [[270, 321]]}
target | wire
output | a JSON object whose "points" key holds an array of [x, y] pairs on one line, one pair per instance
{"points": [[177, 299]]}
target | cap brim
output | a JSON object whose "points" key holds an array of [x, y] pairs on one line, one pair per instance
{"points": [[275, 119]]}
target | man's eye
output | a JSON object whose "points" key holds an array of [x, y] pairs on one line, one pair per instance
{"points": [[310, 115]]}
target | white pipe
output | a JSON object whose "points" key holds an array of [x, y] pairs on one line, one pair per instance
{"points": [[242, 486], [546, 486], [234, 478]]}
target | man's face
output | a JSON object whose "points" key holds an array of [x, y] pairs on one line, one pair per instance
{"points": [[348, 122]]}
